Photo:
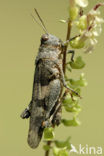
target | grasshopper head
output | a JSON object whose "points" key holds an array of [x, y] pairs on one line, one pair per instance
{"points": [[51, 40]]}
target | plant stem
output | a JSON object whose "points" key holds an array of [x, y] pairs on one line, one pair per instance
{"points": [[66, 46], [47, 152]]}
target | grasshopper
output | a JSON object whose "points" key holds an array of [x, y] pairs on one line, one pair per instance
{"points": [[44, 109]]}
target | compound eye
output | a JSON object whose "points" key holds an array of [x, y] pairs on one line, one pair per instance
{"points": [[44, 38]]}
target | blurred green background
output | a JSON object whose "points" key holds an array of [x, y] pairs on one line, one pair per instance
{"points": [[19, 42]]}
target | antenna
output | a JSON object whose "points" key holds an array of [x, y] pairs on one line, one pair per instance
{"points": [[40, 18], [41, 23]]}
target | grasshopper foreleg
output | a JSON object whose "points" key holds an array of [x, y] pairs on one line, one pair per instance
{"points": [[72, 56]]}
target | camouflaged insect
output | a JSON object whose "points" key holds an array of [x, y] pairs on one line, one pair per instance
{"points": [[44, 109]]}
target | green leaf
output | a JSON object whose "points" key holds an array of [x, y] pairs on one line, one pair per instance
{"points": [[73, 13], [55, 151], [49, 133], [79, 83], [67, 100], [78, 64], [46, 147], [60, 152], [73, 122], [63, 144], [63, 152], [77, 43], [82, 24], [75, 108]]}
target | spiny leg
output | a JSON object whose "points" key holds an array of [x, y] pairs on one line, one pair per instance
{"points": [[64, 82]]}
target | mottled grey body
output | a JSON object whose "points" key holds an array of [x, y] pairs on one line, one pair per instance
{"points": [[46, 87], [46, 91]]}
